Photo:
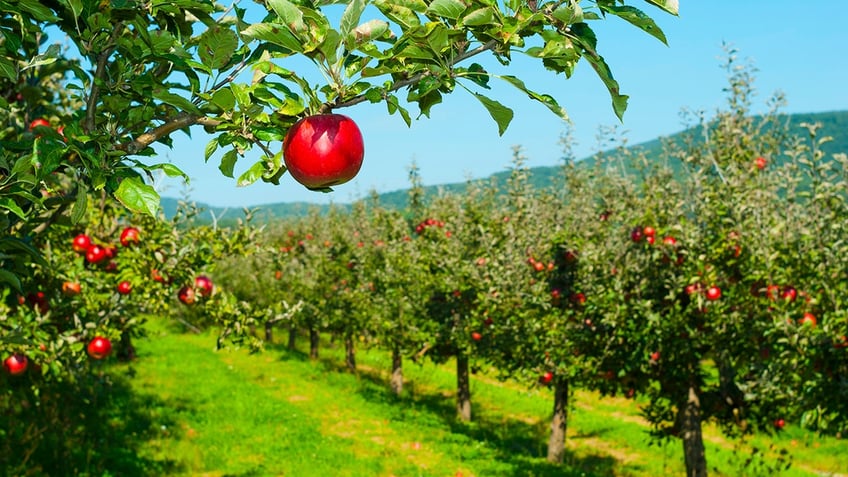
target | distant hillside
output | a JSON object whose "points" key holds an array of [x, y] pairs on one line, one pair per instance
{"points": [[834, 124]]}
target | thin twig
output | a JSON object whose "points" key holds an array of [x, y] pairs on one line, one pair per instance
{"points": [[99, 73]]}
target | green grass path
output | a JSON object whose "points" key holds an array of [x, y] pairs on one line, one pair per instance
{"points": [[230, 413]]}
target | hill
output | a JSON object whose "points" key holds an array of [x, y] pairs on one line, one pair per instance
{"points": [[833, 124]]}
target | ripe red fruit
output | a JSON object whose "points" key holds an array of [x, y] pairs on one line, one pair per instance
{"points": [[124, 288], [186, 295], [669, 240], [649, 231], [655, 356], [278, 274], [71, 288], [323, 150], [156, 276], [538, 266], [760, 162], [578, 298], [81, 243], [790, 293], [204, 285], [476, 336], [713, 293], [808, 319], [636, 234], [99, 347], [96, 254], [40, 122], [16, 364], [779, 424], [129, 236], [546, 378]]}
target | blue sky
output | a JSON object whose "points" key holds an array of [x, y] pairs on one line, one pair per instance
{"points": [[798, 48]]}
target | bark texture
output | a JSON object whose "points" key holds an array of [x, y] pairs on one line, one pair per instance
{"points": [[559, 422], [313, 343], [463, 388], [350, 353], [397, 372], [693, 440]]}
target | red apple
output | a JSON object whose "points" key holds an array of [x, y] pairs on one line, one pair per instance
{"points": [[129, 236], [81, 243], [655, 356], [16, 364], [669, 240], [779, 424], [476, 336], [71, 288], [636, 234], [40, 122], [760, 162], [156, 276], [323, 150], [186, 295], [203, 284], [649, 231], [546, 378], [713, 293], [808, 319], [124, 288], [99, 347], [96, 254], [790, 293]]}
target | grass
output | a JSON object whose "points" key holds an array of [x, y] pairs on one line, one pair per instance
{"points": [[230, 413]]}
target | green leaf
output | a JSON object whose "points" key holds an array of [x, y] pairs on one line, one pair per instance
{"points": [[81, 204], [367, 32], [288, 12], [568, 14], [251, 175], [670, 6], [175, 100], [7, 69], [14, 243], [46, 58], [403, 16], [217, 46], [12, 279], [10, 205], [211, 147], [274, 34], [242, 95], [479, 17], [619, 101], [545, 99], [228, 163], [447, 8], [137, 196], [500, 113], [478, 75], [224, 99], [351, 16], [638, 19], [169, 169], [37, 10]]}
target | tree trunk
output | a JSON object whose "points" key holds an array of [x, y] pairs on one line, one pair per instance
{"points": [[397, 371], [559, 422], [292, 338], [269, 332], [689, 417], [126, 350], [350, 353], [313, 343], [463, 388]]}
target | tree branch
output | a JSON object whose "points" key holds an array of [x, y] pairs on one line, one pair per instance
{"points": [[491, 44], [180, 121], [99, 73]]}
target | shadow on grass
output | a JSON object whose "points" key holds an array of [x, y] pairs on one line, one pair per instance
{"points": [[519, 445], [96, 426]]}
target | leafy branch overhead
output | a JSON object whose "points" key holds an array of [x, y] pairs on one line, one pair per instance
{"points": [[137, 72]]}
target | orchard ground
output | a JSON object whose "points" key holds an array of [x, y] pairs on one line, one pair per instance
{"points": [[278, 413]]}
